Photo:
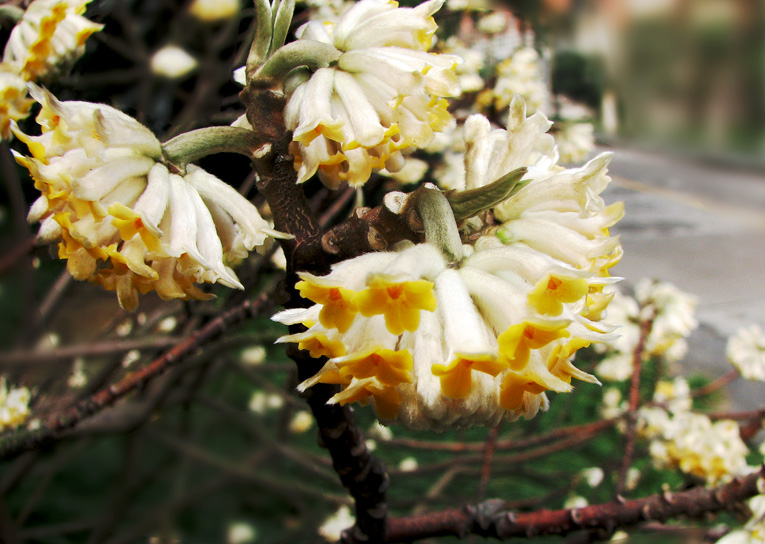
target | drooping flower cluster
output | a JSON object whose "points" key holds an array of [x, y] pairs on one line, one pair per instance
{"points": [[746, 351], [14, 405], [383, 95], [50, 34], [439, 344], [123, 219]]}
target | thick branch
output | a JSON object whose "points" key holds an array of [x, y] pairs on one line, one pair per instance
{"points": [[489, 520]]}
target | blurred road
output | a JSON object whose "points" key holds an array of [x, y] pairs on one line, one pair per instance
{"points": [[702, 228]]}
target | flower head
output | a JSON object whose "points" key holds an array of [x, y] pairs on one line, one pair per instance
{"points": [[437, 342], [123, 220], [384, 95], [746, 351], [51, 33]]}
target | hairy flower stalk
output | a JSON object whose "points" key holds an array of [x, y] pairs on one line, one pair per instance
{"points": [[441, 338], [122, 218], [368, 90]]}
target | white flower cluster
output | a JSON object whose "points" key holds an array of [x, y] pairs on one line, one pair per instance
{"points": [[575, 141], [51, 34], [383, 96], [439, 344], [520, 74], [14, 405], [746, 351], [693, 443], [673, 321], [124, 220]]}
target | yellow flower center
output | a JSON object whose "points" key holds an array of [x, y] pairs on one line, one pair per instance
{"points": [[399, 302]]}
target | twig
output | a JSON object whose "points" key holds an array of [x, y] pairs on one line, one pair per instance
{"points": [[67, 353], [634, 402], [506, 444], [713, 386], [489, 519], [19, 442], [491, 442]]}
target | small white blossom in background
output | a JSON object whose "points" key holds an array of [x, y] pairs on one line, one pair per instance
{"points": [[753, 531], [334, 525], [130, 357], [167, 325], [261, 402], [301, 422], [172, 62], [253, 356], [380, 432], [408, 464], [214, 10], [575, 501], [124, 328], [674, 317], [241, 533], [521, 75], [77, 378], [633, 478], [593, 476], [746, 351], [575, 141], [14, 405], [494, 22], [675, 395], [619, 536], [371, 444], [51, 34], [613, 405]]}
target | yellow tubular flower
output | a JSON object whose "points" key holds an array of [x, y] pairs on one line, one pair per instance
{"points": [[399, 302], [385, 93], [122, 219], [51, 34]]}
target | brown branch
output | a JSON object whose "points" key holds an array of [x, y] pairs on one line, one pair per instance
{"points": [[489, 519], [713, 386], [506, 444], [18, 442], [67, 353], [491, 443], [634, 402]]}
